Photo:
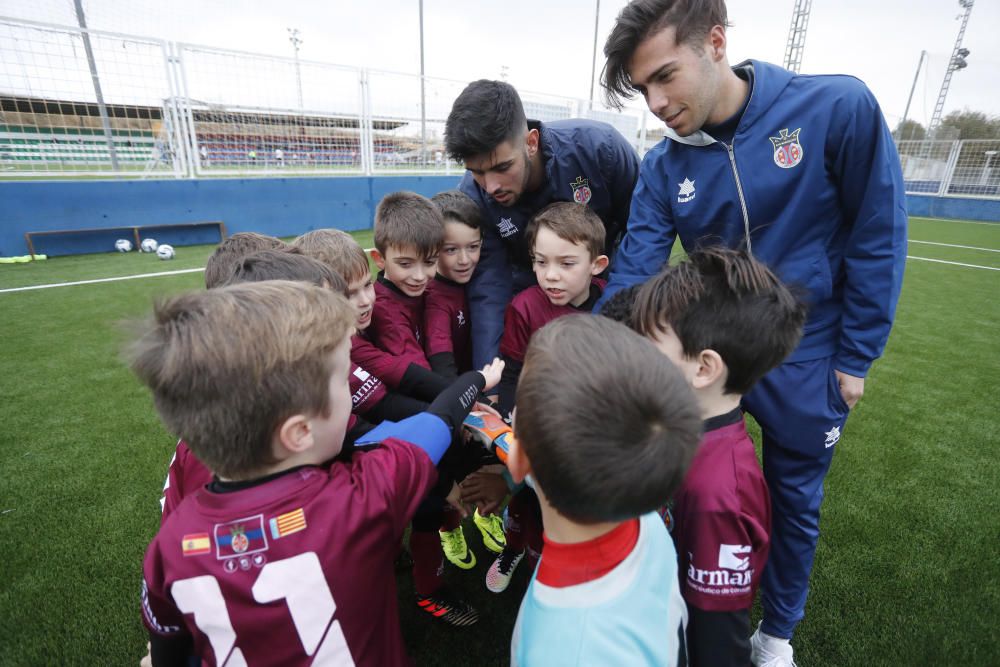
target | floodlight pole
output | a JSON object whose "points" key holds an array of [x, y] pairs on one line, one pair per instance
{"points": [[293, 37], [101, 107], [955, 63], [593, 56], [423, 100], [902, 123]]}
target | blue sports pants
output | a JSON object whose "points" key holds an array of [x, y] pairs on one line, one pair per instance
{"points": [[801, 413]]}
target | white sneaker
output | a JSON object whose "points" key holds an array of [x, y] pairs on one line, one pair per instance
{"points": [[768, 651]]}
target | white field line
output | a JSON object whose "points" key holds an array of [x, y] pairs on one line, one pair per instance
{"points": [[941, 261], [948, 221], [112, 280], [99, 280], [174, 273], [952, 245]]}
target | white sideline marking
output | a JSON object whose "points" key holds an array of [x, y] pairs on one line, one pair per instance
{"points": [[952, 245], [100, 280], [941, 261], [111, 280], [948, 221]]}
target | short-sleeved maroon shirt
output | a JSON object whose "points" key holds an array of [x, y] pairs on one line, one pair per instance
{"points": [[531, 310], [722, 515], [393, 340], [297, 568]]}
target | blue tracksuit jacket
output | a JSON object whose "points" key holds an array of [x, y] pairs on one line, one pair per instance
{"points": [[585, 161], [811, 182]]}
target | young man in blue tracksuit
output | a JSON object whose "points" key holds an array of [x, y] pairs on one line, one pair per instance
{"points": [[514, 168], [802, 171]]}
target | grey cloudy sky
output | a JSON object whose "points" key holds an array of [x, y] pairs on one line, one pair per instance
{"points": [[546, 44]]}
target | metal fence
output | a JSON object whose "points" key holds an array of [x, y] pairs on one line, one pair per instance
{"points": [[78, 102], [82, 103], [951, 168]]}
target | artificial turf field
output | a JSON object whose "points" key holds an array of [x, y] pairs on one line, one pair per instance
{"points": [[907, 571]]}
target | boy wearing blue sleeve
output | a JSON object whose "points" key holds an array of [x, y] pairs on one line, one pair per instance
{"points": [[606, 590]]}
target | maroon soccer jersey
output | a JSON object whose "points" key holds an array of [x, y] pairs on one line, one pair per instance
{"points": [[366, 390], [722, 515], [185, 475], [295, 570], [531, 310], [392, 341], [446, 322]]}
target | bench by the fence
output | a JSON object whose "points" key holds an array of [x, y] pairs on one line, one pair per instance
{"points": [[136, 229]]}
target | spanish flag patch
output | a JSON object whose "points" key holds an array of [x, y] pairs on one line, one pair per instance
{"points": [[196, 544]]}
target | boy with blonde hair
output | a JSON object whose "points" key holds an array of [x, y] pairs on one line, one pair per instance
{"points": [[282, 559]]}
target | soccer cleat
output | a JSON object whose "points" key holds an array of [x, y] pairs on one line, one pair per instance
{"points": [[492, 529], [768, 651], [456, 550], [502, 569], [446, 607]]}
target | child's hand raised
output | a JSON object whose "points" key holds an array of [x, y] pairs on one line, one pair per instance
{"points": [[492, 373]]}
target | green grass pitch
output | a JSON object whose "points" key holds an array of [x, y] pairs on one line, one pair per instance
{"points": [[907, 571]]}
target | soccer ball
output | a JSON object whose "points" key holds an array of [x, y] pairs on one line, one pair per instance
{"points": [[123, 245], [148, 245], [165, 251]]}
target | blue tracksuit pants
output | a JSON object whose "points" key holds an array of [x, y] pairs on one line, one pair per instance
{"points": [[801, 413]]}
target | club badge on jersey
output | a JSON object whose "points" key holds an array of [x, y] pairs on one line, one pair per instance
{"points": [[581, 190], [787, 149]]}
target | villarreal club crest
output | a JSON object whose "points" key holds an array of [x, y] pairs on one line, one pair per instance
{"points": [[581, 190], [787, 149]]}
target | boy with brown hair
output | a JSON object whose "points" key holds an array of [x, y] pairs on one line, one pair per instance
{"points": [[370, 397], [604, 445], [567, 243], [409, 230], [447, 339], [266, 563], [232, 250], [725, 320]]}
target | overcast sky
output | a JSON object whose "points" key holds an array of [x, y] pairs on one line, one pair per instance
{"points": [[546, 45]]}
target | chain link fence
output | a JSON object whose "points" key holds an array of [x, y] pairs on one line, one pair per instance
{"points": [[91, 103]]}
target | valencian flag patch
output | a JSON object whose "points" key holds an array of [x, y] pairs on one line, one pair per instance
{"points": [[284, 525], [196, 544], [237, 538]]}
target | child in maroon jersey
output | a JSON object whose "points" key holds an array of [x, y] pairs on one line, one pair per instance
{"points": [[567, 243], [266, 565], [371, 399], [725, 320], [409, 230], [408, 234], [447, 340], [186, 474]]}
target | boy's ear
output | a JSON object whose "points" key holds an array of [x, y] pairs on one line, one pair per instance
{"points": [[711, 369], [294, 436], [378, 259], [598, 265], [517, 461]]}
